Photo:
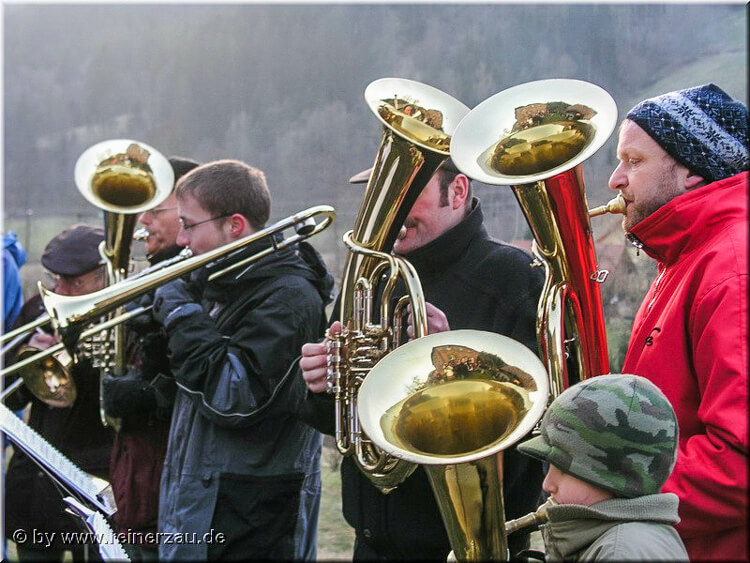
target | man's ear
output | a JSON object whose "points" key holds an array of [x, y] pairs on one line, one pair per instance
{"points": [[694, 181], [237, 225], [460, 188]]}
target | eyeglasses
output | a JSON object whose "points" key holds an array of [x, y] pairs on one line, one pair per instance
{"points": [[189, 227], [52, 281], [156, 210]]}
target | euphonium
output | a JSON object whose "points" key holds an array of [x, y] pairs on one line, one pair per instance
{"points": [[452, 401], [418, 122], [535, 137], [123, 178], [50, 378]]}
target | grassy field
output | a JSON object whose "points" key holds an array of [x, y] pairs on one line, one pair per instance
{"points": [[335, 537]]}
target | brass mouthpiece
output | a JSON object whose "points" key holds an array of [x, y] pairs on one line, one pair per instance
{"points": [[533, 519], [141, 234], [615, 205]]}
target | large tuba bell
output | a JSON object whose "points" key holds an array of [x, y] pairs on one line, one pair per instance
{"points": [[451, 402], [123, 178], [535, 137], [418, 122]]}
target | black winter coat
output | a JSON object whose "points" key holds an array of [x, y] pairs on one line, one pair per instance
{"points": [[482, 284], [235, 461], [32, 500]]}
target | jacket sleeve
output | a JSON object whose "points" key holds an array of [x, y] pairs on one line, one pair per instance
{"points": [[318, 411], [520, 322], [242, 378], [710, 475]]}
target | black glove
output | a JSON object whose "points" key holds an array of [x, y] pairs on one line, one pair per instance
{"points": [[173, 301], [153, 355], [142, 324], [165, 390], [127, 394]]}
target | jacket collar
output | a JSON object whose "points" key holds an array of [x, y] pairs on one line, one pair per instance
{"points": [[451, 245], [679, 226], [573, 527]]}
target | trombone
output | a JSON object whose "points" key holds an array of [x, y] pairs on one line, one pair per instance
{"points": [[71, 314]]}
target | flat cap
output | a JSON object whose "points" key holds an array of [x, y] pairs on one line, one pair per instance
{"points": [[181, 166], [75, 251]]}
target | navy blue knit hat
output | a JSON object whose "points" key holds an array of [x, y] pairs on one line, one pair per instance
{"points": [[702, 128]]}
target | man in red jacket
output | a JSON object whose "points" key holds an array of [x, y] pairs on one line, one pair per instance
{"points": [[683, 173]]}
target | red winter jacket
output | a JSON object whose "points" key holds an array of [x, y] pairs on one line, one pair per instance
{"points": [[690, 338]]}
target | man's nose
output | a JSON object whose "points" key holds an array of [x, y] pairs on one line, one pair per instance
{"points": [[182, 238], [618, 179]]}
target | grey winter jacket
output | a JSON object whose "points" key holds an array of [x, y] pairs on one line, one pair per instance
{"points": [[237, 454], [618, 529]]}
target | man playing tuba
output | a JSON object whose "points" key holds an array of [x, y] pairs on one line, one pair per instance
{"points": [[683, 161], [470, 281]]}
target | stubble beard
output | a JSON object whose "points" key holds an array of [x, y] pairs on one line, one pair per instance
{"points": [[662, 192]]}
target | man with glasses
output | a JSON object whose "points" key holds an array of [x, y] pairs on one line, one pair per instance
{"points": [[32, 501], [237, 453], [143, 398]]}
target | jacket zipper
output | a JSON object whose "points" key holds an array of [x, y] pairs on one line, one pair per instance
{"points": [[635, 242], [656, 287]]}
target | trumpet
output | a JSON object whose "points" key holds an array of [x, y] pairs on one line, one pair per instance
{"points": [[71, 314]]}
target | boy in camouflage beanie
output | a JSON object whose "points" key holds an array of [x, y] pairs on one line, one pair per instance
{"points": [[611, 443]]}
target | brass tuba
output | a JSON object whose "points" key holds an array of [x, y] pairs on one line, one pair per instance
{"points": [[535, 137], [123, 178], [418, 122], [452, 401]]}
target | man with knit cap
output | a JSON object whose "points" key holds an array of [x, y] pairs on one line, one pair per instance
{"points": [[611, 443], [683, 173]]}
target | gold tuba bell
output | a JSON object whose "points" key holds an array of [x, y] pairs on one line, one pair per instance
{"points": [[452, 401], [123, 178], [418, 122], [535, 137]]}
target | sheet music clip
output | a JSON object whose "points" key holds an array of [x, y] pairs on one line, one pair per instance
{"points": [[109, 546]]}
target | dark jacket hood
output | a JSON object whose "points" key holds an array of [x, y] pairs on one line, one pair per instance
{"points": [[299, 260]]}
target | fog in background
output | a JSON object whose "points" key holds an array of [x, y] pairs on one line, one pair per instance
{"points": [[281, 87]]}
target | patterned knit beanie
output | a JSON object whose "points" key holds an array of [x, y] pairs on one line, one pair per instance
{"points": [[702, 128], [617, 432]]}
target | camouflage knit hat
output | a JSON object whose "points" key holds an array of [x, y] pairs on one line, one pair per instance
{"points": [[617, 432], [702, 128]]}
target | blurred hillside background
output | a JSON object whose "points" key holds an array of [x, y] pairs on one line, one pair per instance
{"points": [[281, 87]]}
